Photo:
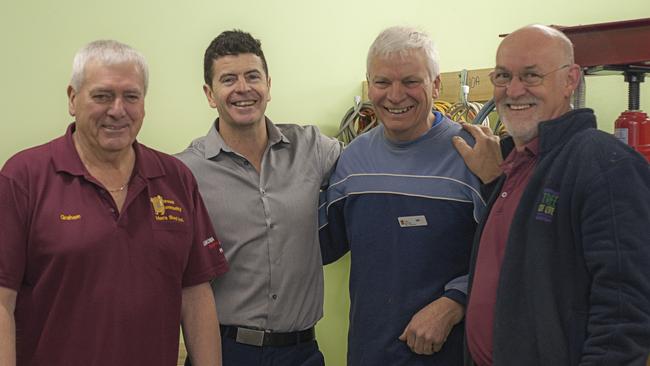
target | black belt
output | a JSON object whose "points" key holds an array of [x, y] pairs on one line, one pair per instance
{"points": [[261, 338]]}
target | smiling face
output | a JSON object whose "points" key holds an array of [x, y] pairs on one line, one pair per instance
{"points": [[521, 107], [402, 91], [240, 90], [108, 107]]}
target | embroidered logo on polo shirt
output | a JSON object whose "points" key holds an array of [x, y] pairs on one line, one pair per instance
{"points": [[161, 206], [158, 205], [68, 217], [546, 208], [212, 243]]}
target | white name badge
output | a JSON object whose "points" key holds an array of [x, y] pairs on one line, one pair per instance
{"points": [[410, 221]]}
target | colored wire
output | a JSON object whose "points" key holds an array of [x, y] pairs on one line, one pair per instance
{"points": [[466, 111], [358, 119]]}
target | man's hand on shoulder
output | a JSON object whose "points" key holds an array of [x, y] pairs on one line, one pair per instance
{"points": [[429, 328], [484, 158]]}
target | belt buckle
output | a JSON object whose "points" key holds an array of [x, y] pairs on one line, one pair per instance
{"points": [[251, 337]]}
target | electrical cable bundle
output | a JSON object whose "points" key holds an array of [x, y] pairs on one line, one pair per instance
{"points": [[442, 106], [466, 111], [358, 119], [484, 112], [499, 128]]}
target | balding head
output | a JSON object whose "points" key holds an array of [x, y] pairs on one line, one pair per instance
{"points": [[537, 36]]}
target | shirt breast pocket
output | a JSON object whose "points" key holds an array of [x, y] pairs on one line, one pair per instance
{"points": [[169, 250]]}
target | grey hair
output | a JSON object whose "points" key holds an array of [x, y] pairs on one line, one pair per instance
{"points": [[401, 40], [107, 52]]}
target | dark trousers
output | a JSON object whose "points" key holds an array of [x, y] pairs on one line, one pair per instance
{"points": [[237, 354]]}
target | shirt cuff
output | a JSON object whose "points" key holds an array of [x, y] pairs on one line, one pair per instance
{"points": [[456, 295]]}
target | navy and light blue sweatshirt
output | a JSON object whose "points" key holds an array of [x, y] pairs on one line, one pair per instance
{"points": [[407, 213]]}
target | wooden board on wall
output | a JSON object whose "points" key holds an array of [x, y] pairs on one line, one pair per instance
{"points": [[480, 88]]}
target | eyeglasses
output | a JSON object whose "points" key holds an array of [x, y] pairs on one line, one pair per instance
{"points": [[528, 78]]}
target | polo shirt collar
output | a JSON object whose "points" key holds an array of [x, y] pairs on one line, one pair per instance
{"points": [[214, 143], [147, 163], [66, 158], [516, 157]]}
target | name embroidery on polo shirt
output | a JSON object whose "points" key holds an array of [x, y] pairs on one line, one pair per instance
{"points": [[161, 206], [546, 207], [65, 217]]}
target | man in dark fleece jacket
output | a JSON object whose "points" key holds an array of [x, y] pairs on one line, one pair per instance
{"points": [[559, 272]]}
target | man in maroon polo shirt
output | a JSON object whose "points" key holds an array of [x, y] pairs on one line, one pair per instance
{"points": [[559, 273], [106, 245]]}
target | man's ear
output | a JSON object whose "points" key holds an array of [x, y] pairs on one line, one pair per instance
{"points": [[269, 84], [436, 87], [210, 95], [573, 80], [72, 95]]}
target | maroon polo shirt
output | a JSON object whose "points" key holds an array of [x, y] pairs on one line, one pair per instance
{"points": [[95, 286], [518, 167]]}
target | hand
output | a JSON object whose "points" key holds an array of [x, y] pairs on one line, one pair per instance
{"points": [[485, 157], [428, 329]]}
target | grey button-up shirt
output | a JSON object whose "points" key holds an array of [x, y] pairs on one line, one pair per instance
{"points": [[267, 224]]}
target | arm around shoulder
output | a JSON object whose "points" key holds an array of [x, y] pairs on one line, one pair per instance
{"points": [[332, 231], [330, 151], [485, 156]]}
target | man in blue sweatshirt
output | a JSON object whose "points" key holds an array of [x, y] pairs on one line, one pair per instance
{"points": [[404, 204]]}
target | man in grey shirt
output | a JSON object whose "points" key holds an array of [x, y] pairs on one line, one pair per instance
{"points": [[260, 182]]}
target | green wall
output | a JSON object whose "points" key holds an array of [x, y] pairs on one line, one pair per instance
{"points": [[316, 54]]}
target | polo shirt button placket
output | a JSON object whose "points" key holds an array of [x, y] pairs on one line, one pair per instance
{"points": [[111, 209]]}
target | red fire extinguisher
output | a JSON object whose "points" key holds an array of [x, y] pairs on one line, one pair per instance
{"points": [[633, 126], [633, 129]]}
